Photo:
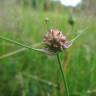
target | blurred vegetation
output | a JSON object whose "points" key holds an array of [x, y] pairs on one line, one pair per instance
{"points": [[29, 73]]}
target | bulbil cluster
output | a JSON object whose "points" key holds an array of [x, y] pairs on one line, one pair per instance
{"points": [[54, 40]]}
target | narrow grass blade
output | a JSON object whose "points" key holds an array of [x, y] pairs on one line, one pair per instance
{"points": [[69, 43], [17, 51], [34, 77], [80, 33], [26, 46]]}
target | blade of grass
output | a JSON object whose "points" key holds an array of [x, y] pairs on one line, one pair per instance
{"points": [[80, 33], [17, 43], [16, 52], [26, 46], [34, 77], [69, 43]]}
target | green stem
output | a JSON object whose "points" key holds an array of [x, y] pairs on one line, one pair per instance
{"points": [[26, 46], [16, 52], [17, 43], [63, 76], [23, 45]]}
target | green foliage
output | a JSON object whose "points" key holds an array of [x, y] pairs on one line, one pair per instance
{"points": [[16, 71]]}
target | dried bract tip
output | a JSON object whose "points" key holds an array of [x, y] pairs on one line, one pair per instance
{"points": [[55, 41]]}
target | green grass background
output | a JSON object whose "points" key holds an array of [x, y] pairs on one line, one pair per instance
{"points": [[79, 60]]}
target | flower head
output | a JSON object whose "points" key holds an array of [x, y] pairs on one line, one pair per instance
{"points": [[55, 41]]}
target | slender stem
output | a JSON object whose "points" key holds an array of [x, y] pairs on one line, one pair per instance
{"points": [[17, 43], [16, 52], [26, 46], [63, 76]]}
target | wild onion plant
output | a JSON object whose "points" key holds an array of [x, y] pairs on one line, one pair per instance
{"points": [[53, 43]]}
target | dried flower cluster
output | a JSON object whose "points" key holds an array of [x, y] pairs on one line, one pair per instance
{"points": [[55, 41]]}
